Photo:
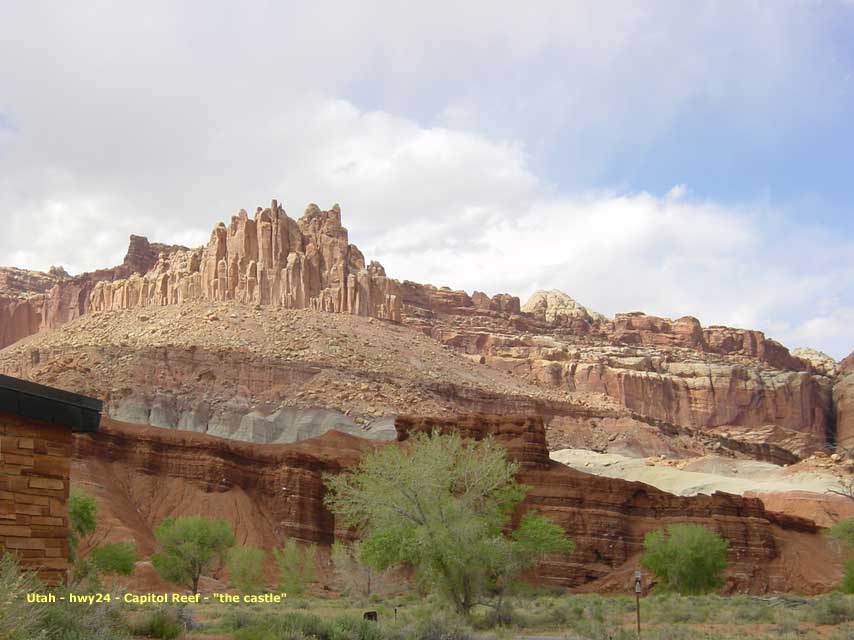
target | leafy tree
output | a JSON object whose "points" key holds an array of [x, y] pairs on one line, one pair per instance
{"points": [[189, 546], [843, 531], [82, 510], [117, 557], [245, 567], [296, 566], [442, 504], [686, 558]]}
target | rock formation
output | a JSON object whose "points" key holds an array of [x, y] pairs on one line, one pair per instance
{"points": [[843, 399], [31, 301], [270, 259], [676, 374], [558, 309], [142, 474]]}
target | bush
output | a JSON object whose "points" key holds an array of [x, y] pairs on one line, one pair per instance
{"points": [[19, 620], [686, 558], [81, 519], [245, 567], [847, 585], [296, 566], [833, 609], [161, 623], [118, 558]]}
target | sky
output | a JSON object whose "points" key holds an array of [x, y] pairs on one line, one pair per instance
{"points": [[678, 158]]}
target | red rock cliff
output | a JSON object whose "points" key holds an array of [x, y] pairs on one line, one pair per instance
{"points": [[142, 474]]}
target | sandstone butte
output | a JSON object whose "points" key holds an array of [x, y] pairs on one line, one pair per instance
{"points": [[141, 474], [727, 383], [278, 330]]}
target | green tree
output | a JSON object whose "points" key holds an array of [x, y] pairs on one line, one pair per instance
{"points": [[116, 557], [843, 531], [245, 567], [189, 546], [82, 511], [442, 504], [296, 566], [686, 558]]}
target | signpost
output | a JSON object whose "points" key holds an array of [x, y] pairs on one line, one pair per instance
{"points": [[638, 589]]}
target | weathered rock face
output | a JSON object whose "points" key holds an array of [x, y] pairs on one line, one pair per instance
{"points": [[270, 259], [643, 367], [523, 436], [843, 399], [558, 309], [676, 372], [142, 474], [643, 330], [31, 301]]}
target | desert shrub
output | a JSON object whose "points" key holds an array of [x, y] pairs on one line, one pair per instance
{"points": [[163, 623], [686, 558], [847, 585], [189, 546], [833, 609], [117, 557], [98, 621], [296, 566], [19, 620], [246, 568], [297, 626]]}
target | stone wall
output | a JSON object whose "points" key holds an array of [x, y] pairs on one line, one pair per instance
{"points": [[35, 465]]}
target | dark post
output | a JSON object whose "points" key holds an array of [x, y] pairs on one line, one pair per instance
{"points": [[638, 589]]}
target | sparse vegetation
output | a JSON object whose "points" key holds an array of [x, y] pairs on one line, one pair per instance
{"points": [[357, 577], [296, 566], [162, 623], [245, 567], [189, 546], [686, 558]]}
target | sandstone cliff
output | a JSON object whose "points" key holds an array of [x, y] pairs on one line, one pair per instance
{"points": [[31, 301], [632, 369], [143, 474], [843, 397], [270, 259]]}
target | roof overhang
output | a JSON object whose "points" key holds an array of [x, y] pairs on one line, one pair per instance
{"points": [[39, 402]]}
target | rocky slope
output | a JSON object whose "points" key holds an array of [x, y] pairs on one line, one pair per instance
{"points": [[32, 301], [143, 474], [233, 338]]}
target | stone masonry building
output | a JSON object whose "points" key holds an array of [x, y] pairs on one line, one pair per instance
{"points": [[36, 426]]}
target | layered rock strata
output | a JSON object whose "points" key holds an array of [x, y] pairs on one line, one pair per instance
{"points": [[270, 259], [142, 474], [31, 301]]}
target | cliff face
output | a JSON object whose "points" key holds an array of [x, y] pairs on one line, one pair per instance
{"points": [[675, 372], [31, 301], [269, 260], [718, 381], [843, 398], [142, 474]]}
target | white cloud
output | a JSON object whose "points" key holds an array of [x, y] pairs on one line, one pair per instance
{"points": [[164, 119]]}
